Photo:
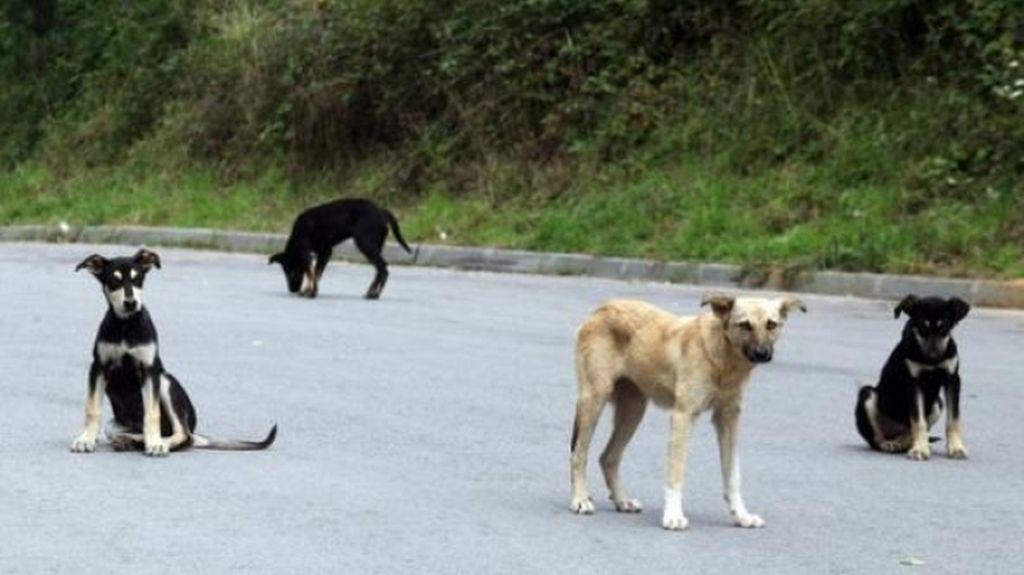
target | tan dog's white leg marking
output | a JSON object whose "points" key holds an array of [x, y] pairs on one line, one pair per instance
{"points": [[682, 426], [86, 442], [630, 405], [919, 450], [727, 425], [154, 443], [955, 447]]}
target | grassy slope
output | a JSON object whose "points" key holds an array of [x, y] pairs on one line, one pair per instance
{"points": [[669, 208]]}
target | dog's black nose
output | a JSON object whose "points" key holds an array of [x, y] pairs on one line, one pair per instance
{"points": [[760, 355], [131, 305]]}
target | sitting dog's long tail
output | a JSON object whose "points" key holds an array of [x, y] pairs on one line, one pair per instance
{"points": [[204, 442], [393, 222]]}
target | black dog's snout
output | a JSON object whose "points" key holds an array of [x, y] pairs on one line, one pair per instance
{"points": [[130, 305]]}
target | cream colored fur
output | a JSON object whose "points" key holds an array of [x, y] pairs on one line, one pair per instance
{"points": [[630, 352]]}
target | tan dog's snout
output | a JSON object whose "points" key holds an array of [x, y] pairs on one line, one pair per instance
{"points": [[751, 325]]}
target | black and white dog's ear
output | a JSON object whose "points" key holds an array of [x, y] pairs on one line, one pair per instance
{"points": [[147, 259], [959, 308], [720, 304], [276, 258], [94, 263], [906, 306], [788, 304]]}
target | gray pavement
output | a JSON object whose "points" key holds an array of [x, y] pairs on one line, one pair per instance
{"points": [[429, 431]]}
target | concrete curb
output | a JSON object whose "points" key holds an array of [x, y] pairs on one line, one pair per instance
{"points": [[1005, 294]]}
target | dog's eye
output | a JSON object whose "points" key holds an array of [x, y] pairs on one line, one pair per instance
{"points": [[772, 324], [745, 326]]}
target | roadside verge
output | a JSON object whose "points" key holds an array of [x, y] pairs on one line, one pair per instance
{"points": [[991, 293]]}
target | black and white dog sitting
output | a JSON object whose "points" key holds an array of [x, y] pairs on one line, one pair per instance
{"points": [[151, 409], [895, 415], [317, 230]]}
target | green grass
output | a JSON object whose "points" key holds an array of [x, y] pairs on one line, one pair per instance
{"points": [[795, 215]]}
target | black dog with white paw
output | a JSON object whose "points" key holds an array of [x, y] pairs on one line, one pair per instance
{"points": [[895, 415]]}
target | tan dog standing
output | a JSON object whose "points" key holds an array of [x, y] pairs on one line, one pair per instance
{"points": [[629, 352]]}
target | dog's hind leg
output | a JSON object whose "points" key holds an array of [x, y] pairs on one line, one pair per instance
{"points": [[86, 442], [866, 417], [370, 244], [727, 425], [630, 405], [594, 387], [179, 432]]}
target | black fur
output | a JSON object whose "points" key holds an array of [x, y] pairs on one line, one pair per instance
{"points": [[933, 319], [131, 327], [317, 230]]}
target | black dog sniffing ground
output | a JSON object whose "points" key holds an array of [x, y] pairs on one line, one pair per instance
{"points": [[317, 230], [895, 415]]}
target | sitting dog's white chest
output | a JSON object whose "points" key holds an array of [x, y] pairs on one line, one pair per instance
{"points": [[115, 353]]}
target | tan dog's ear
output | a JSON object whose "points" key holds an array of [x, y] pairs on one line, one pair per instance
{"points": [[720, 304], [905, 306], [788, 304], [147, 259], [94, 263]]}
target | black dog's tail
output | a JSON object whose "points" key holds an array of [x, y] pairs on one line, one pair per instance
{"points": [[204, 442], [393, 222]]}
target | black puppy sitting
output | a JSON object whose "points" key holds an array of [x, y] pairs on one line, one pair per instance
{"points": [[151, 409], [317, 230], [895, 416]]}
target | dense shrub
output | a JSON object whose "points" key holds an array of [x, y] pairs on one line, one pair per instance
{"points": [[321, 83]]}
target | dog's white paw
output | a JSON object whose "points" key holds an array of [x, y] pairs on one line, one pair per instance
{"points": [[582, 505], [748, 520], [628, 505], [958, 451], [157, 449], [920, 453], [674, 520], [84, 444]]}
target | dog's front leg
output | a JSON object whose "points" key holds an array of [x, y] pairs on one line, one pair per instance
{"points": [[954, 433], [919, 449], [682, 425], [727, 425], [86, 442], [154, 443]]}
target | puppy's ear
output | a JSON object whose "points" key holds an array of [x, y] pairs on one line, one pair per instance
{"points": [[276, 258], [720, 304], [788, 304], [906, 306], [94, 263], [147, 259], [958, 308]]}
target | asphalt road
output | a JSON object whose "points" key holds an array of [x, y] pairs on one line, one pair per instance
{"points": [[429, 432]]}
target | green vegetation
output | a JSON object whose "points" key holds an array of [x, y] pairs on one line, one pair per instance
{"points": [[883, 136]]}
